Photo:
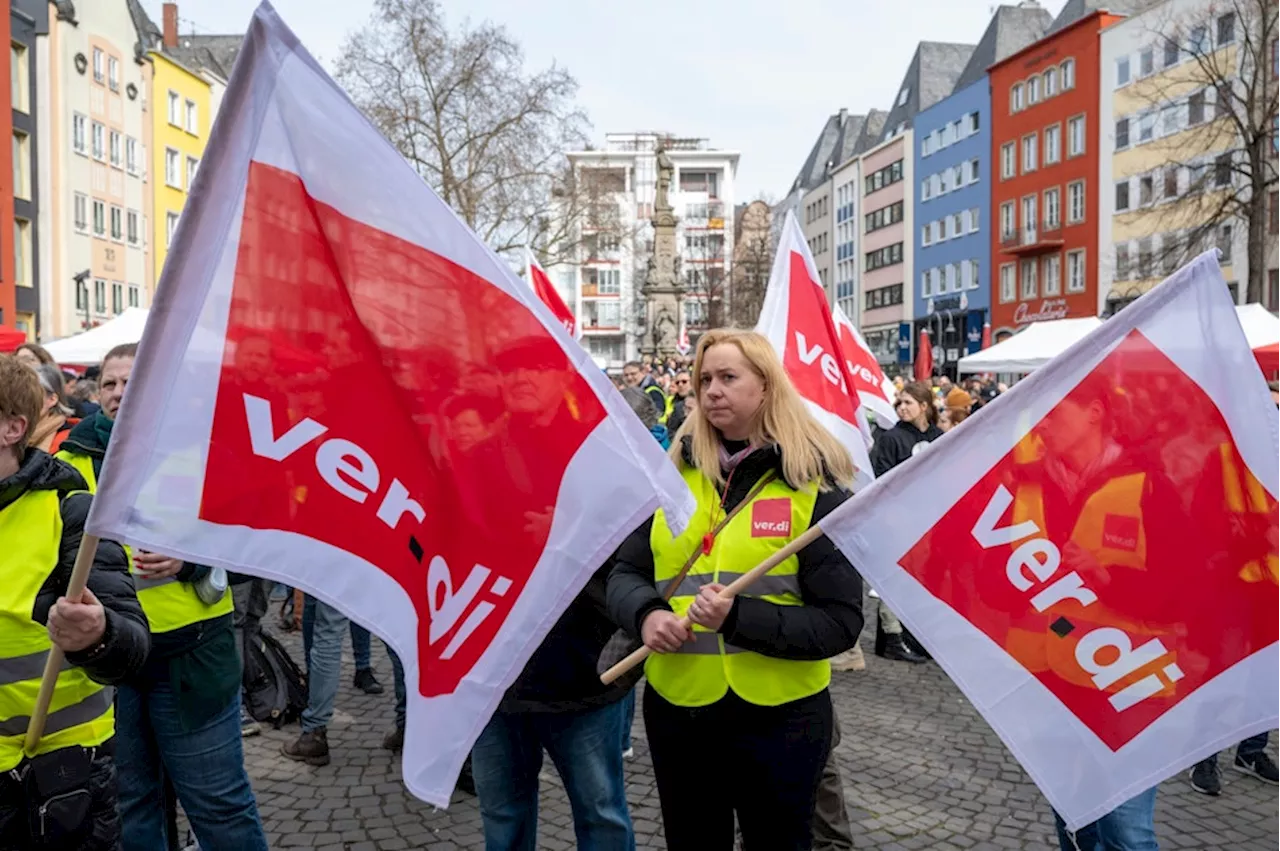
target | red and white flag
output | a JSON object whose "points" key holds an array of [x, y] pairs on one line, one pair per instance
{"points": [[682, 344], [547, 292], [448, 471], [1095, 560], [875, 391], [796, 319]]}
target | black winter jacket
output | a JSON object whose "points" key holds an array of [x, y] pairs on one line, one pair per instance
{"points": [[126, 641], [827, 624], [898, 444]]}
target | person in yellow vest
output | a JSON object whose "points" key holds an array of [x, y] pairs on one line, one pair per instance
{"points": [[737, 710], [179, 718], [61, 794]]}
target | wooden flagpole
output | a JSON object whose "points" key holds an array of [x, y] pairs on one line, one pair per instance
{"points": [[731, 590], [79, 578]]}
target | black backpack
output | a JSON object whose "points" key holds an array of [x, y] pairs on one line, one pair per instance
{"points": [[275, 689]]}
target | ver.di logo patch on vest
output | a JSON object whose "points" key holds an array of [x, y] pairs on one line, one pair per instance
{"points": [[1120, 532], [771, 518]]}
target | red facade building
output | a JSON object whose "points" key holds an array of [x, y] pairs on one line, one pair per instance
{"points": [[1044, 161]]}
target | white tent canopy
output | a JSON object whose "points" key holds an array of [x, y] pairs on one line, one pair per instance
{"points": [[91, 346], [1031, 349], [1261, 327]]}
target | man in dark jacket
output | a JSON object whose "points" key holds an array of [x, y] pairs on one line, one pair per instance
{"points": [[103, 634]]}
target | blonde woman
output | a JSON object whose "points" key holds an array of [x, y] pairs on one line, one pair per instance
{"points": [[737, 711]]}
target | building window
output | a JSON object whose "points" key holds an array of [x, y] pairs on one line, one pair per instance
{"points": [[80, 208], [974, 169], [1146, 127], [1075, 271], [18, 88], [1052, 275], [926, 236], [1008, 287], [1033, 90], [21, 165], [99, 218], [973, 220], [193, 164], [170, 228], [193, 120], [1171, 182], [113, 74], [1226, 28], [175, 109], [1221, 170], [1122, 196], [924, 190], [890, 255], [22, 252], [114, 139], [82, 295], [956, 225], [1015, 97], [131, 155], [1008, 225], [1029, 204], [1050, 82], [134, 295], [1146, 62], [172, 168], [99, 296], [1052, 208], [971, 282], [117, 229], [1075, 202], [974, 123], [117, 297], [952, 280], [79, 135], [1146, 190], [99, 141], [1052, 144], [924, 284], [1029, 288], [1172, 52], [98, 59], [1224, 244], [1195, 108], [1122, 134], [1075, 136], [1122, 71], [1008, 160], [1122, 261], [131, 221], [1068, 74]]}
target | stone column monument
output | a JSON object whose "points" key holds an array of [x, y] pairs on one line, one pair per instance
{"points": [[663, 290]]}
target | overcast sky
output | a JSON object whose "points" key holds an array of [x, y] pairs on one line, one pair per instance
{"points": [[756, 76]]}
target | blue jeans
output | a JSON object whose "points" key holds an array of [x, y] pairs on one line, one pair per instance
{"points": [[402, 691], [361, 644], [628, 718], [324, 666], [205, 766], [1246, 750], [507, 757], [1129, 827]]}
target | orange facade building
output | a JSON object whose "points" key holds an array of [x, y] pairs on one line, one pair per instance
{"points": [[1044, 162]]}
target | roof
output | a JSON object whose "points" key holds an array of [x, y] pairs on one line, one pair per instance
{"points": [[835, 144], [1012, 28], [216, 53], [149, 34], [1076, 10], [930, 77]]}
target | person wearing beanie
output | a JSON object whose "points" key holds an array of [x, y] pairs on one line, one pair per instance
{"points": [[958, 405]]}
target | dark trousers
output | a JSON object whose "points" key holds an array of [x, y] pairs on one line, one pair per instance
{"points": [[1246, 750], [831, 830], [761, 762]]}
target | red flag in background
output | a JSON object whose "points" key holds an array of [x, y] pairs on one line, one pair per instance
{"points": [[547, 293]]}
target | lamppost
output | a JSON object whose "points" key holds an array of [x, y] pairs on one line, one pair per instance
{"points": [[80, 282]]}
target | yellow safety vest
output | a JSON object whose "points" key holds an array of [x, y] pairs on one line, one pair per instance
{"points": [[81, 712], [1110, 524], [1244, 494], [168, 603], [704, 670]]}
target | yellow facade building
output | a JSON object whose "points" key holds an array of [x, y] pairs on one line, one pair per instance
{"points": [[181, 112], [1169, 149]]}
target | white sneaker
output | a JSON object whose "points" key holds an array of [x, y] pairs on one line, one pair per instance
{"points": [[629, 753]]}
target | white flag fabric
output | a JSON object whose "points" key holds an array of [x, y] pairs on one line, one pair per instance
{"points": [[342, 389], [875, 391], [796, 319], [1093, 558]]}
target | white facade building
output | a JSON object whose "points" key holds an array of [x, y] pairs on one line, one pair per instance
{"points": [[603, 284]]}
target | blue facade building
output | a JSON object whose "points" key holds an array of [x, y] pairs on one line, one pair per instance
{"points": [[952, 210]]}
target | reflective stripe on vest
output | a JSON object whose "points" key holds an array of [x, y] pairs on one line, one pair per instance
{"points": [[81, 711], [705, 669], [168, 603], [668, 405], [1244, 494]]}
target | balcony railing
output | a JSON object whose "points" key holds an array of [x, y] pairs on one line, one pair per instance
{"points": [[1033, 240]]}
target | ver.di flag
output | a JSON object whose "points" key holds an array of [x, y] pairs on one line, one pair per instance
{"points": [[798, 323], [875, 391], [342, 389], [546, 291], [1094, 559]]}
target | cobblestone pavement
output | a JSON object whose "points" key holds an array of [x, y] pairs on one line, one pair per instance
{"points": [[922, 771]]}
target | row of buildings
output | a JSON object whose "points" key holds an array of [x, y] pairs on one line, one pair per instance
{"points": [[109, 116], [1058, 168]]}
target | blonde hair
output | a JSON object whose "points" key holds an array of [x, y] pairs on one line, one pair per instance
{"points": [[810, 453]]}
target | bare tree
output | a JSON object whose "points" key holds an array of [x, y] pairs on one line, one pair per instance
{"points": [[1221, 172], [487, 135], [755, 242], [704, 273]]}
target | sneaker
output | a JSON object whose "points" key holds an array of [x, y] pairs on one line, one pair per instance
{"points": [[629, 753], [248, 727], [1259, 765], [366, 682], [850, 660], [312, 747], [1206, 778], [394, 741]]}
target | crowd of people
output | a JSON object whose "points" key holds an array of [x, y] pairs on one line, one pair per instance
{"points": [[150, 709]]}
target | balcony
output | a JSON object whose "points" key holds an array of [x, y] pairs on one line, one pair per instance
{"points": [[1030, 241]]}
